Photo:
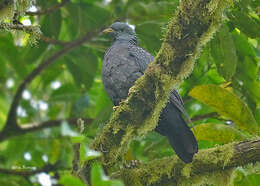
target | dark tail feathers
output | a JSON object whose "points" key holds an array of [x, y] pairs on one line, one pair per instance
{"points": [[184, 144]]}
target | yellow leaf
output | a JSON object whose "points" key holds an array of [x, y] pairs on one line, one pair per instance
{"points": [[227, 104], [218, 133]]}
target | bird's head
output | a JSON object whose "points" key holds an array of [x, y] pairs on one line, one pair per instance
{"points": [[121, 31]]}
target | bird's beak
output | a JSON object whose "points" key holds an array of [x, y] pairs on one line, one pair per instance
{"points": [[108, 30]]}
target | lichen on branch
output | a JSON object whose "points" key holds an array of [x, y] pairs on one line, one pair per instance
{"points": [[192, 26]]}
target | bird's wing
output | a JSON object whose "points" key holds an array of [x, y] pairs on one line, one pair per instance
{"points": [[122, 66], [141, 57], [176, 99]]}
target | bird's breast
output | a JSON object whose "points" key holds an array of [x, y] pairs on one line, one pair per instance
{"points": [[119, 72]]}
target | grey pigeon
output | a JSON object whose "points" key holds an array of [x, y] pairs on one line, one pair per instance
{"points": [[124, 62]]}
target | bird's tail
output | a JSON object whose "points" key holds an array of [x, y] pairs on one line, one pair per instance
{"points": [[184, 143]]}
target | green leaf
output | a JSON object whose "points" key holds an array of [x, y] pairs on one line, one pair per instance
{"points": [[67, 92], [218, 133], [99, 100], [51, 24], [71, 21], [80, 105], [46, 4], [11, 180], [67, 131], [96, 16], [10, 53], [227, 104], [31, 54], [254, 90], [2, 69], [246, 76], [83, 17], [243, 47], [149, 34], [54, 154], [82, 64], [159, 11], [223, 51], [3, 112], [247, 175], [77, 139], [98, 177], [202, 65], [245, 23], [89, 154], [69, 180]]}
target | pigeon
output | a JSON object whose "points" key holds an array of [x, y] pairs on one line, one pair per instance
{"points": [[124, 62]]}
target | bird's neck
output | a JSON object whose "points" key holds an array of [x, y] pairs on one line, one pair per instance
{"points": [[132, 39]]}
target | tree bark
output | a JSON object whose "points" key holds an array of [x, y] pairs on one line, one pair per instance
{"points": [[172, 171]]}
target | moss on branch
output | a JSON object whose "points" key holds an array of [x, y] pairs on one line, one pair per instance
{"points": [[193, 25], [34, 31], [215, 163]]}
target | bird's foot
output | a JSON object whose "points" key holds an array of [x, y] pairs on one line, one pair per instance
{"points": [[132, 164], [115, 107], [102, 149]]}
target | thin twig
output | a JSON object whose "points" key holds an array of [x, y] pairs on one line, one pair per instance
{"points": [[48, 10], [23, 129], [204, 116], [51, 123], [53, 41], [77, 169], [23, 171], [76, 148]]}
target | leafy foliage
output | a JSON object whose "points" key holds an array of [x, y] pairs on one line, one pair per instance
{"points": [[226, 80]]}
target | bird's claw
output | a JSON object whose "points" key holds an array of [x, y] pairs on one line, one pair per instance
{"points": [[102, 149], [115, 107], [132, 164]]}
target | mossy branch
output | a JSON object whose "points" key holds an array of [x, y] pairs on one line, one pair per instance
{"points": [[34, 31], [172, 171], [193, 25]]}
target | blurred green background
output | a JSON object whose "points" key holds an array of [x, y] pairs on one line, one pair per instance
{"points": [[222, 95]]}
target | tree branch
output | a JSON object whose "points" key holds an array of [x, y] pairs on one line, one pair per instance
{"points": [[23, 129], [51, 123], [53, 41], [192, 27], [35, 32], [28, 172], [173, 171], [48, 10]]}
